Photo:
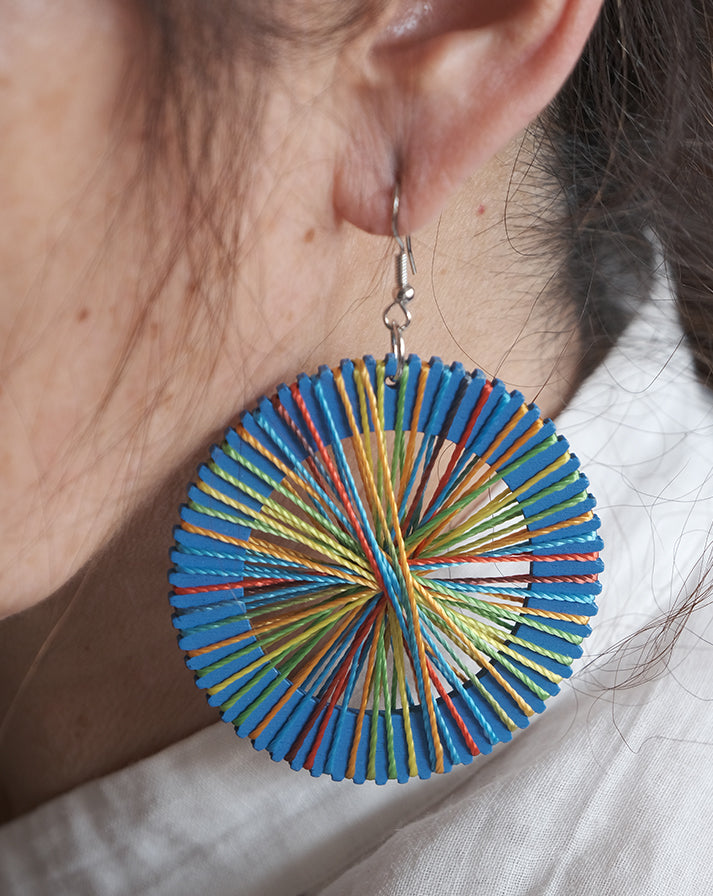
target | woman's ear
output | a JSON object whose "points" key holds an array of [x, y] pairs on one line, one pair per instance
{"points": [[437, 89]]}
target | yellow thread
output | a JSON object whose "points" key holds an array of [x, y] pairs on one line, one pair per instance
{"points": [[480, 657], [408, 578], [492, 449], [268, 549], [365, 469], [413, 433], [284, 522], [272, 626], [398, 653], [518, 534], [531, 664], [365, 461], [351, 767], [290, 473], [321, 521], [300, 677]]}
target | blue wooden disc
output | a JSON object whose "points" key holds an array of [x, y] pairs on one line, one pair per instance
{"points": [[380, 580]]}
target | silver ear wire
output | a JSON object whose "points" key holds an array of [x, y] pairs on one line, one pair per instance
{"points": [[405, 250], [404, 291]]}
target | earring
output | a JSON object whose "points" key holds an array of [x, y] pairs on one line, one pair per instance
{"points": [[387, 567]]}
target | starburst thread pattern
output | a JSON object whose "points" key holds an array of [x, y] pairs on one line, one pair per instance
{"points": [[380, 581]]}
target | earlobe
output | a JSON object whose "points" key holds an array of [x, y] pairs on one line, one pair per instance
{"points": [[445, 85]]}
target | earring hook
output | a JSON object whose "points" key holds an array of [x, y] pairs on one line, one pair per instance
{"points": [[398, 316], [405, 248]]}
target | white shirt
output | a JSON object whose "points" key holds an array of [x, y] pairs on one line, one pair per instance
{"points": [[610, 791]]}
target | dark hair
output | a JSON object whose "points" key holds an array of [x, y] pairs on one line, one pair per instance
{"points": [[631, 138]]}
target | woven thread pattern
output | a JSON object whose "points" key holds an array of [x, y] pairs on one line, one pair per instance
{"points": [[379, 581]]}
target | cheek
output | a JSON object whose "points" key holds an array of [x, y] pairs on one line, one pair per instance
{"points": [[65, 159], [61, 158], [62, 67], [83, 429]]}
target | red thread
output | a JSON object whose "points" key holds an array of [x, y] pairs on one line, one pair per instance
{"points": [[470, 743], [460, 446], [336, 481], [333, 694]]}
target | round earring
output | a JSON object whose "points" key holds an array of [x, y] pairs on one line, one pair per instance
{"points": [[387, 567]]}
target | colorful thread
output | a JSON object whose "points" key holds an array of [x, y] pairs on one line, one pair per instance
{"points": [[380, 581]]}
